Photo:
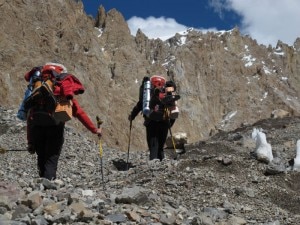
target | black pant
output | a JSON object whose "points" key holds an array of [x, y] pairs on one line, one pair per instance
{"points": [[157, 133], [48, 142]]}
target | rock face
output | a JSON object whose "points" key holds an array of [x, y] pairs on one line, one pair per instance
{"points": [[224, 79]]}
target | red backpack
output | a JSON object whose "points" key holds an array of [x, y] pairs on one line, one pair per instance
{"points": [[50, 100]]}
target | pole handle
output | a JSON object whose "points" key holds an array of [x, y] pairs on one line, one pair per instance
{"points": [[99, 121]]}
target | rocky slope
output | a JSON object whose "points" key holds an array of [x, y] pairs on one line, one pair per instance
{"points": [[225, 79], [216, 181], [229, 84]]}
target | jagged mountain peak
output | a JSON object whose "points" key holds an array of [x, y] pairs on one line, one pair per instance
{"points": [[218, 73]]}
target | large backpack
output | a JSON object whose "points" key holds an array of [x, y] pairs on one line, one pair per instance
{"points": [[159, 98], [47, 104]]}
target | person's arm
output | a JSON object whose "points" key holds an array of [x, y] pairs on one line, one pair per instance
{"points": [[135, 111], [83, 118], [139, 105]]}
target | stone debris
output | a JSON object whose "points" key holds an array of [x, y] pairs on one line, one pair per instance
{"points": [[214, 182]]}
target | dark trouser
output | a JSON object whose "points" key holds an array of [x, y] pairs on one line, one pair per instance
{"points": [[48, 142], [157, 133]]}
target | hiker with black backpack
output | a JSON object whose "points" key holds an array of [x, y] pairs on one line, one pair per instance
{"points": [[47, 106], [157, 102]]}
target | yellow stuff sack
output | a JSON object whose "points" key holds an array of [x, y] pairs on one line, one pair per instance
{"points": [[63, 110]]}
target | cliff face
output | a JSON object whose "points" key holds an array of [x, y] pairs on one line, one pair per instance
{"points": [[224, 79]]}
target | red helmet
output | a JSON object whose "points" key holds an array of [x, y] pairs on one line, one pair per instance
{"points": [[58, 68], [157, 81]]}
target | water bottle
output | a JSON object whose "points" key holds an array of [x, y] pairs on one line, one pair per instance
{"points": [[146, 97], [21, 114]]}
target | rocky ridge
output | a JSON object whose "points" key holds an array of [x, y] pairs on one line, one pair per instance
{"points": [[216, 181]]}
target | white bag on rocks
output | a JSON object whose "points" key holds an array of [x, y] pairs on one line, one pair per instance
{"points": [[296, 166], [180, 139], [263, 149]]}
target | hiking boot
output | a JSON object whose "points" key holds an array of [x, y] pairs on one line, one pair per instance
{"points": [[30, 149]]}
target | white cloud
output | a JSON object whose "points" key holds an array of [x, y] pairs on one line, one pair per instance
{"points": [[267, 21], [162, 28], [218, 6], [152, 27]]}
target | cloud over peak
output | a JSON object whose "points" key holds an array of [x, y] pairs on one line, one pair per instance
{"points": [[161, 27]]}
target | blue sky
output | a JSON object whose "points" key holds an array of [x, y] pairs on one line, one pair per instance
{"points": [[267, 21]]}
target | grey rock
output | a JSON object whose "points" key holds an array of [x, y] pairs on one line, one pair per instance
{"points": [[276, 166], [215, 214], [116, 218], [12, 222], [20, 211], [39, 220], [136, 195]]}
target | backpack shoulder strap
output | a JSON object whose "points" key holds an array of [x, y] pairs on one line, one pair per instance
{"points": [[61, 76]]}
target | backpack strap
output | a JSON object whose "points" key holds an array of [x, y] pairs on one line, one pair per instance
{"points": [[61, 76]]}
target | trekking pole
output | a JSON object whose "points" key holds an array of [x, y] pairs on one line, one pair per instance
{"points": [[167, 114], [172, 141], [130, 126], [99, 122]]}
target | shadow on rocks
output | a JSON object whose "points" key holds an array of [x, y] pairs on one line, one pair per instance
{"points": [[121, 165]]}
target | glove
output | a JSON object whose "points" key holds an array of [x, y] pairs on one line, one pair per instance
{"points": [[99, 132], [130, 117]]}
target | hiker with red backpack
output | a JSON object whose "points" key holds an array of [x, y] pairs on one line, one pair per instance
{"points": [[157, 102], [46, 107]]}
